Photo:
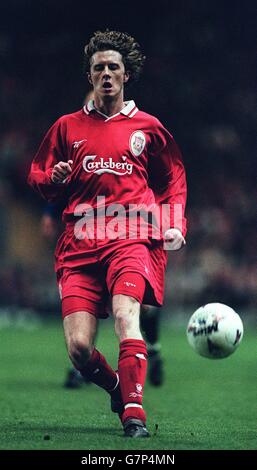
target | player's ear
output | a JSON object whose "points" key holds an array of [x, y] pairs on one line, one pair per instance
{"points": [[126, 77], [89, 78]]}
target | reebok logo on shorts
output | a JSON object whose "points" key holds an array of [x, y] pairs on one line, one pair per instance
{"points": [[129, 284]]}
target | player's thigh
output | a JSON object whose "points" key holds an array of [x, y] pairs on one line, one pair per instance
{"points": [[125, 305], [126, 311], [127, 295]]}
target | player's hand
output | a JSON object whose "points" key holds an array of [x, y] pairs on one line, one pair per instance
{"points": [[173, 239], [60, 171]]}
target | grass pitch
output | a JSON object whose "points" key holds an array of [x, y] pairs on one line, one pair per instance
{"points": [[203, 404]]}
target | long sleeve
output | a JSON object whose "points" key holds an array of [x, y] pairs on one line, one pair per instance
{"points": [[168, 180], [50, 152]]}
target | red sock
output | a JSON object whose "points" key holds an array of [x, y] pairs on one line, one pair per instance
{"points": [[132, 373], [98, 371]]}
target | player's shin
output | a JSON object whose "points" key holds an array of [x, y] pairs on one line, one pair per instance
{"points": [[132, 373]]}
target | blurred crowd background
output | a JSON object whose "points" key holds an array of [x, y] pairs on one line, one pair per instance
{"points": [[199, 79]]}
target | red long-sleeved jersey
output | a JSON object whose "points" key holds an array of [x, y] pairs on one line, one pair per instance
{"points": [[128, 158]]}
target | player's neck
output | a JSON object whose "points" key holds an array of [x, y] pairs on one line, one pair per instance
{"points": [[109, 106]]}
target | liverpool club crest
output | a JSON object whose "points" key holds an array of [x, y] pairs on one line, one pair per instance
{"points": [[137, 143]]}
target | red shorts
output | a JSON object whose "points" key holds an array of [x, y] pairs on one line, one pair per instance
{"points": [[82, 290], [123, 271]]}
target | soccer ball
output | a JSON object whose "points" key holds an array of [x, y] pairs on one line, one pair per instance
{"points": [[215, 331]]}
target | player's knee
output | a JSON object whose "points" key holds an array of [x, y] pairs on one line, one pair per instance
{"points": [[79, 351]]}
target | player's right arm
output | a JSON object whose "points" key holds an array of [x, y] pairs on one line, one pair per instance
{"points": [[51, 167], [61, 171]]}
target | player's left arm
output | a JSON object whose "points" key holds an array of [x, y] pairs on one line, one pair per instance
{"points": [[50, 167], [168, 175]]}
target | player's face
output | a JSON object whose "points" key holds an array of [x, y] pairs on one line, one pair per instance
{"points": [[107, 74]]}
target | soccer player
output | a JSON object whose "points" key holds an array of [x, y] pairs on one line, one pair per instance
{"points": [[111, 158]]}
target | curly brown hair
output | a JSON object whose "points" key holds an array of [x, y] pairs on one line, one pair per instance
{"points": [[125, 44]]}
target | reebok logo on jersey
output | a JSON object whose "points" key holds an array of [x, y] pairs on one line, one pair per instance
{"points": [[77, 143], [100, 165]]}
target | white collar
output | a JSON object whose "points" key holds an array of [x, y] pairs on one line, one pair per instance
{"points": [[129, 110]]}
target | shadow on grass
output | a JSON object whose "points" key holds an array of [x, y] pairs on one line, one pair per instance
{"points": [[54, 430], [42, 385]]}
